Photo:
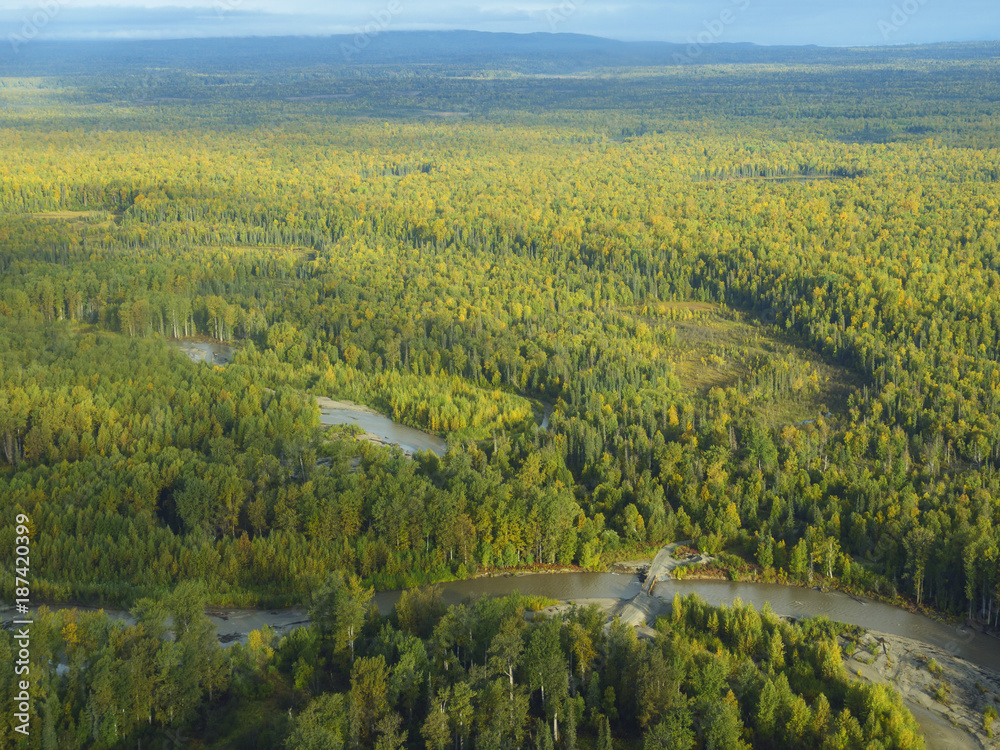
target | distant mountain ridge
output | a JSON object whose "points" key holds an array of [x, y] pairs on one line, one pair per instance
{"points": [[534, 52]]}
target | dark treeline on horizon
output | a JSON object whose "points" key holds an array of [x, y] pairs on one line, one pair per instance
{"points": [[759, 303]]}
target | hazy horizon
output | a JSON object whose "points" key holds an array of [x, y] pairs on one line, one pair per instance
{"points": [[762, 22]]}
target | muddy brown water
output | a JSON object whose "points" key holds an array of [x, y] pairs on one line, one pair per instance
{"points": [[389, 432], [968, 644], [409, 439]]}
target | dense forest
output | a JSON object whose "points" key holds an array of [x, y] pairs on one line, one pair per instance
{"points": [[476, 675], [757, 303]]}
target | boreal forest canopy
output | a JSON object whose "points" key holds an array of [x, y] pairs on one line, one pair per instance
{"points": [[752, 305]]}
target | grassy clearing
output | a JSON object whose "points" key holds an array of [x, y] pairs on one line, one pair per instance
{"points": [[720, 348], [709, 307], [98, 218], [65, 215]]}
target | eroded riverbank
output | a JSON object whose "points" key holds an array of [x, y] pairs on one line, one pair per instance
{"points": [[378, 428], [800, 603], [970, 661], [946, 694]]}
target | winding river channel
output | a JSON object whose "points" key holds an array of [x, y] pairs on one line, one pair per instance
{"points": [[384, 429], [970, 645], [233, 625], [378, 427]]}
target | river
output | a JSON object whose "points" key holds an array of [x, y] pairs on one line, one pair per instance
{"points": [[970, 645], [785, 600], [380, 427]]}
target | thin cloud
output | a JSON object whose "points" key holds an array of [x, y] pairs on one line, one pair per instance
{"points": [[850, 22]]}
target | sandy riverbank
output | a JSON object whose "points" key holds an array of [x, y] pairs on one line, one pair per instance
{"points": [[378, 428], [947, 696], [665, 564], [905, 664], [608, 606], [954, 723], [329, 404]]}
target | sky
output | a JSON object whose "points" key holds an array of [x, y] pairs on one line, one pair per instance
{"points": [[822, 22]]}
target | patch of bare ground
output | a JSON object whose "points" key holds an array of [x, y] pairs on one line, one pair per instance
{"points": [[947, 695], [630, 567]]}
